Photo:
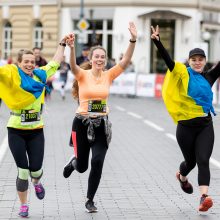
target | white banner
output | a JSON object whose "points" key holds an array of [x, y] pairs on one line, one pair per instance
{"points": [[146, 85], [116, 87]]}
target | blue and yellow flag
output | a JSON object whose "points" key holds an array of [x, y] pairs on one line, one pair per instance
{"points": [[17, 89], [179, 94]]}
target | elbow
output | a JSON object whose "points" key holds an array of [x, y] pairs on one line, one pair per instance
{"points": [[125, 63]]}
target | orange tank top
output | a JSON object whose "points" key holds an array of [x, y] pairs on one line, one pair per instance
{"points": [[94, 92]]}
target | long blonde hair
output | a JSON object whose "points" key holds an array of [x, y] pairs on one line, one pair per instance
{"points": [[75, 88]]}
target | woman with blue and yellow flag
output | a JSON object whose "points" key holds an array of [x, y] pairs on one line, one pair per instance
{"points": [[22, 90], [188, 97]]}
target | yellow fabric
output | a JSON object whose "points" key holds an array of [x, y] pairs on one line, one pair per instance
{"points": [[175, 95], [15, 121], [51, 68], [10, 91], [18, 99]]}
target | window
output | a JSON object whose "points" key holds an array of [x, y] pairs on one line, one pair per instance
{"points": [[7, 36], [99, 32], [210, 16], [38, 35]]}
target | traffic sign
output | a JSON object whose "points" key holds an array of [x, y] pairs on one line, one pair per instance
{"points": [[83, 24]]}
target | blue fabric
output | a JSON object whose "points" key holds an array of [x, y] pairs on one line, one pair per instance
{"points": [[200, 90], [31, 85]]}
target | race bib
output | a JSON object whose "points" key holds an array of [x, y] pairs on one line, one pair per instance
{"points": [[29, 117], [97, 106]]}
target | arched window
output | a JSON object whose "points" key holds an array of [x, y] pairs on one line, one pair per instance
{"points": [[7, 38], [38, 35]]}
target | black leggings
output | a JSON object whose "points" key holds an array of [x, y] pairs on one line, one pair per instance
{"points": [[196, 144], [27, 147], [82, 148]]}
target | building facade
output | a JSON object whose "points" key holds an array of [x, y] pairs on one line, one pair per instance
{"points": [[184, 24], [25, 24]]}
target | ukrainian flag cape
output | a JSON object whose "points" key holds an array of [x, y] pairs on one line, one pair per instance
{"points": [[186, 96], [19, 90]]}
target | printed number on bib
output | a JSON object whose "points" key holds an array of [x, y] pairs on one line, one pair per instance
{"points": [[28, 117], [97, 106]]}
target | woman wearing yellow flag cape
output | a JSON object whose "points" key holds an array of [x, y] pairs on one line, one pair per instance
{"points": [[188, 98], [22, 90]]}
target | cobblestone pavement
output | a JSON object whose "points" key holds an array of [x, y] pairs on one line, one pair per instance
{"points": [[138, 181]]}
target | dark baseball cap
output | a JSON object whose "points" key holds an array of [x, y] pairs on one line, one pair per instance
{"points": [[196, 51], [85, 48]]}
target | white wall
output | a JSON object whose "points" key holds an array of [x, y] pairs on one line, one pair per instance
{"points": [[65, 27], [187, 33], [141, 57]]}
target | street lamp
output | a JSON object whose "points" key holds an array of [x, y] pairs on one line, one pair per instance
{"points": [[91, 12], [81, 8], [206, 35]]}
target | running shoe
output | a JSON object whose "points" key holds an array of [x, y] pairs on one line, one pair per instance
{"points": [[90, 206], [23, 211], [205, 203], [39, 190], [69, 167], [185, 186]]}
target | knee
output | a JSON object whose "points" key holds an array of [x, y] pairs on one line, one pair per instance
{"points": [[81, 169], [189, 165], [97, 163], [203, 163], [22, 180], [81, 165], [36, 174]]}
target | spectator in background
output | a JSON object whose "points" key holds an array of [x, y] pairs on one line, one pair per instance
{"points": [[110, 63], [64, 69], [121, 56], [130, 68], [10, 59], [84, 56], [39, 60]]}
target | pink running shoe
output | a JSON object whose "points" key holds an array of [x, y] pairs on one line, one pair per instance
{"points": [[23, 211], [39, 190]]}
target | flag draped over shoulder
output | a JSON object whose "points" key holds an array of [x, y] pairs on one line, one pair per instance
{"points": [[17, 89], [178, 98], [200, 90]]}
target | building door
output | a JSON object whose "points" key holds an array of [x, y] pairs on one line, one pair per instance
{"points": [[167, 37]]}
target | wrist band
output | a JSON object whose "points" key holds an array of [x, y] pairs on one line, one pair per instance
{"points": [[62, 44], [132, 41]]}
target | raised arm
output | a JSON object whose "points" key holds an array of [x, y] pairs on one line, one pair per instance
{"points": [[125, 61], [163, 52], [58, 56], [70, 42], [53, 65]]}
